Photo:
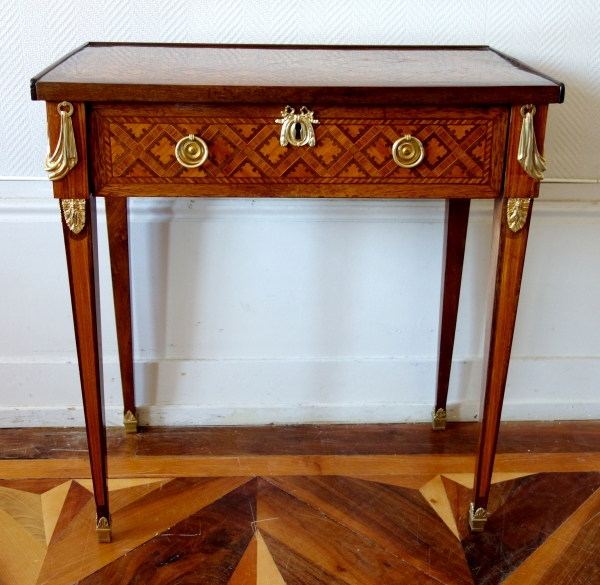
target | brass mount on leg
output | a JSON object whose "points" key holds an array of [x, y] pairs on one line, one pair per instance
{"points": [[59, 163], [517, 211], [477, 518], [438, 421], [528, 155], [103, 529], [131, 422], [74, 214]]}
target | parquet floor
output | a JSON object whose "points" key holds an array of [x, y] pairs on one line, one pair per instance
{"points": [[302, 506]]}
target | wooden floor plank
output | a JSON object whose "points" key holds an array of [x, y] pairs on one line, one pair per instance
{"points": [[570, 555], [119, 499], [296, 569], [26, 509], [397, 519], [119, 484], [205, 547], [413, 481], [77, 551], [459, 498], [60, 443], [529, 511], [267, 572], [375, 439], [77, 498], [245, 572], [339, 551], [21, 554], [52, 503], [235, 466], [501, 476], [435, 495], [467, 479], [301, 465], [543, 475], [464, 479], [35, 486]]}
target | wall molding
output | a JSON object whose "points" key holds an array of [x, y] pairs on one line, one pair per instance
{"points": [[548, 208], [29, 199]]}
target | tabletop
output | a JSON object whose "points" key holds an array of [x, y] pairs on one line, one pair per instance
{"points": [[286, 73]]}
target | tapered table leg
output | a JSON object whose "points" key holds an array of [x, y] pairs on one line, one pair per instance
{"points": [[82, 265], [118, 241], [455, 236], [508, 254], [512, 216]]}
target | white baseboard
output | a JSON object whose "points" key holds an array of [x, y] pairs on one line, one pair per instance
{"points": [[256, 392], [225, 415]]}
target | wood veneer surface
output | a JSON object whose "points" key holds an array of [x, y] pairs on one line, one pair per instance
{"points": [[271, 74], [304, 519], [299, 530], [373, 439], [134, 151]]}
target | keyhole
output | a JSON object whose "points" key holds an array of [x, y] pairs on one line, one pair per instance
{"points": [[298, 130]]}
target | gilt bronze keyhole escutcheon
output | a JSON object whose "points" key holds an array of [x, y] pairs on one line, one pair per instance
{"points": [[297, 129]]}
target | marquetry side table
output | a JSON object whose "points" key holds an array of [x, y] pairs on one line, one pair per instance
{"points": [[140, 120]]}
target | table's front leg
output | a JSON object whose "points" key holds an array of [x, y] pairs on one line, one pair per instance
{"points": [[508, 258], [67, 168], [82, 265], [118, 242], [512, 216]]}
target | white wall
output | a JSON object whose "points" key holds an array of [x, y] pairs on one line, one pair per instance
{"points": [[296, 311]]}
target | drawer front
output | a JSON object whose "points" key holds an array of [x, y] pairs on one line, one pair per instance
{"points": [[133, 150]]}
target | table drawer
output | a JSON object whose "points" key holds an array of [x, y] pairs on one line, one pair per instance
{"points": [[134, 149]]}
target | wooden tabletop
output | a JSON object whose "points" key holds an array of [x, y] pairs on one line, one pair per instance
{"points": [[296, 74]]}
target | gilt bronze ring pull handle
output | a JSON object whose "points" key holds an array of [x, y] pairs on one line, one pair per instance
{"points": [[408, 151], [191, 152]]}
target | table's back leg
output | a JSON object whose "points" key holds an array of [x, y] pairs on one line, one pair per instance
{"points": [[512, 216], [82, 265], [118, 241], [455, 236]]}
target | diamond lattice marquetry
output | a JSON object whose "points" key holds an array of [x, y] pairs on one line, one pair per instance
{"points": [[435, 151], [162, 150], [248, 151], [271, 151], [246, 131], [223, 150], [327, 150], [353, 131], [378, 151]]}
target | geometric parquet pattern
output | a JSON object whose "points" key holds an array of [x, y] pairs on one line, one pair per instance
{"points": [[247, 151], [303, 530]]}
